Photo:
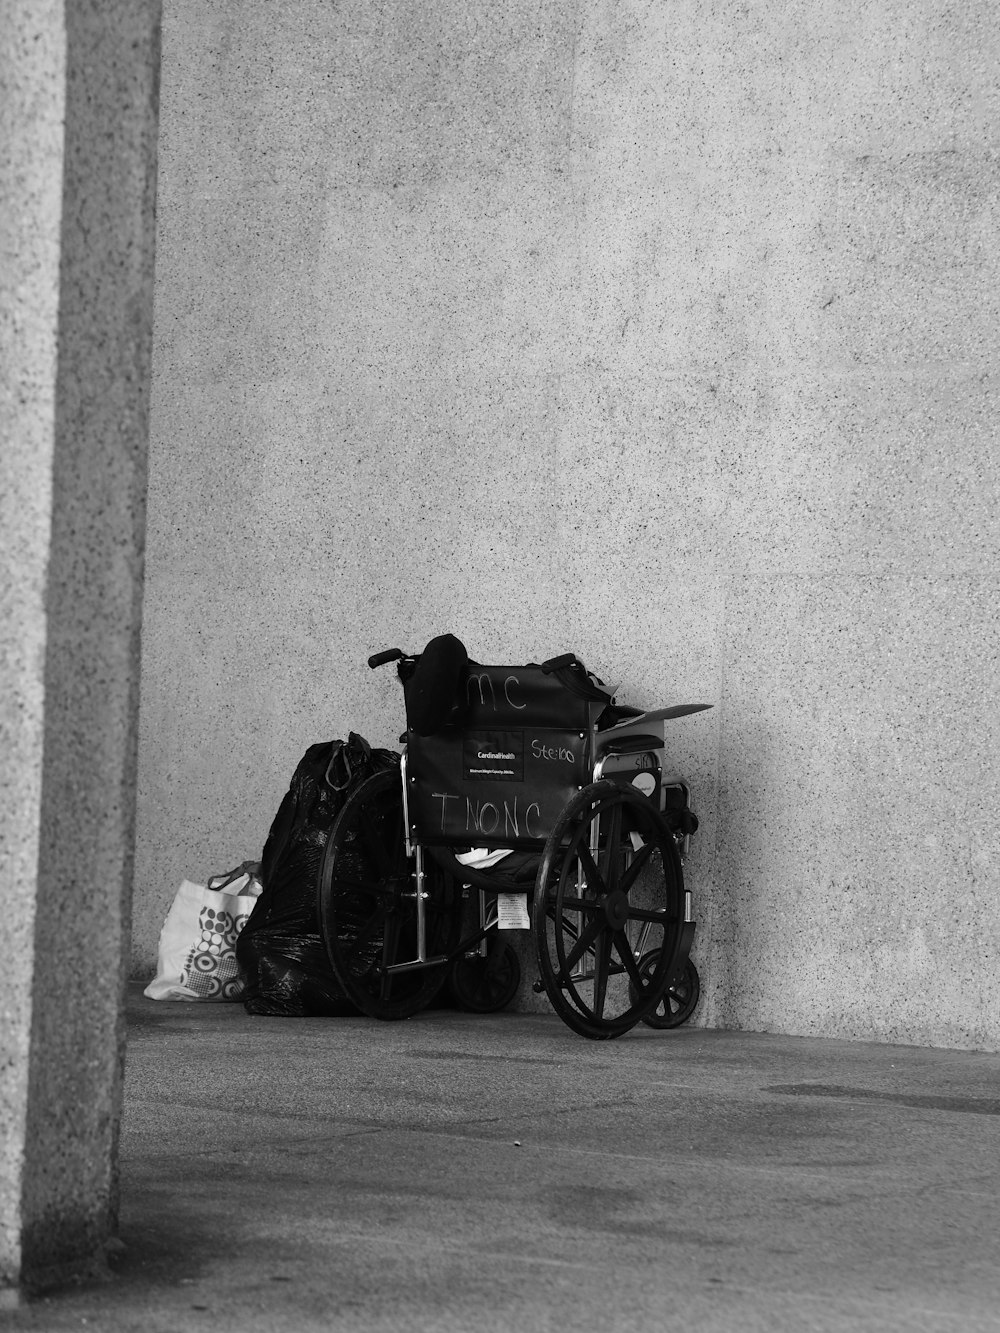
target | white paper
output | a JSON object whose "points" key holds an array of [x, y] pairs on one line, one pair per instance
{"points": [[512, 911]]}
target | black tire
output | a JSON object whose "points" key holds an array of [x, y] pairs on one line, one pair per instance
{"points": [[679, 1000], [367, 905], [486, 985], [595, 916]]}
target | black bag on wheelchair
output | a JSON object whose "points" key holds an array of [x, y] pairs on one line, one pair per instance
{"points": [[280, 950]]}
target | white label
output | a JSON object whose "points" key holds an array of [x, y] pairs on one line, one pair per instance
{"points": [[512, 911]]}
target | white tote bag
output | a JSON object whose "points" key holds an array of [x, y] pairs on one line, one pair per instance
{"points": [[196, 959]]}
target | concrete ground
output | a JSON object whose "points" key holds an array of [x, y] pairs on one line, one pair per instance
{"points": [[466, 1173]]}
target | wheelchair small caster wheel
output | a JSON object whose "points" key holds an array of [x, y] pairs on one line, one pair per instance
{"points": [[486, 985], [679, 999]]}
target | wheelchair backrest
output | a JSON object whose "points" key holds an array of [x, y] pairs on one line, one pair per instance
{"points": [[519, 745]]}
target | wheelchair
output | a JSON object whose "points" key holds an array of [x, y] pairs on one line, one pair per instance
{"points": [[528, 798]]}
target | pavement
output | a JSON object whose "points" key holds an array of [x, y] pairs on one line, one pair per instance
{"points": [[498, 1173]]}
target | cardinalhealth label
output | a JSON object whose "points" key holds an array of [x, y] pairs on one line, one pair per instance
{"points": [[493, 756]]}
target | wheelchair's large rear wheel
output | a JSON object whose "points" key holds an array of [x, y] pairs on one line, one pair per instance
{"points": [[609, 893], [368, 906]]}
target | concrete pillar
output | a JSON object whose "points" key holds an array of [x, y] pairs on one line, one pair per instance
{"points": [[78, 122]]}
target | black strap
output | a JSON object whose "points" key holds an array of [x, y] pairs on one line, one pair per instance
{"points": [[570, 671]]}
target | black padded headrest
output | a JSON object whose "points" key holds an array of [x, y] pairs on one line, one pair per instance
{"points": [[432, 691]]}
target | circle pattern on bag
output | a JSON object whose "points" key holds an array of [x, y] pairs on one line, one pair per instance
{"points": [[211, 970]]}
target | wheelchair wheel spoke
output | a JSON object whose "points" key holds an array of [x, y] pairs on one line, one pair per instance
{"points": [[602, 960], [588, 905], [584, 942], [610, 866], [624, 952], [639, 860], [596, 881], [657, 917]]}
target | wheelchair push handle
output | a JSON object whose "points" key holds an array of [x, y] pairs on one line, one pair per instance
{"points": [[389, 655]]}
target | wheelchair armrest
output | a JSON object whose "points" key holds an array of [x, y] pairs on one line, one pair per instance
{"points": [[615, 713], [630, 745]]}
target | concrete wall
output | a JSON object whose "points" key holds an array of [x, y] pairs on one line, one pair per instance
{"points": [[77, 171], [664, 332]]}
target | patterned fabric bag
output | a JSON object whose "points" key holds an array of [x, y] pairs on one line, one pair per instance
{"points": [[196, 959]]}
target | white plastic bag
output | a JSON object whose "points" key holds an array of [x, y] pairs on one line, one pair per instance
{"points": [[196, 959]]}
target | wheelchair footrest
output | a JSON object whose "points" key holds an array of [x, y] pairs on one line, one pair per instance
{"points": [[417, 963]]}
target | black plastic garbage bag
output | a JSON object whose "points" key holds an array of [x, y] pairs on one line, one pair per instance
{"points": [[280, 949], [289, 976]]}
